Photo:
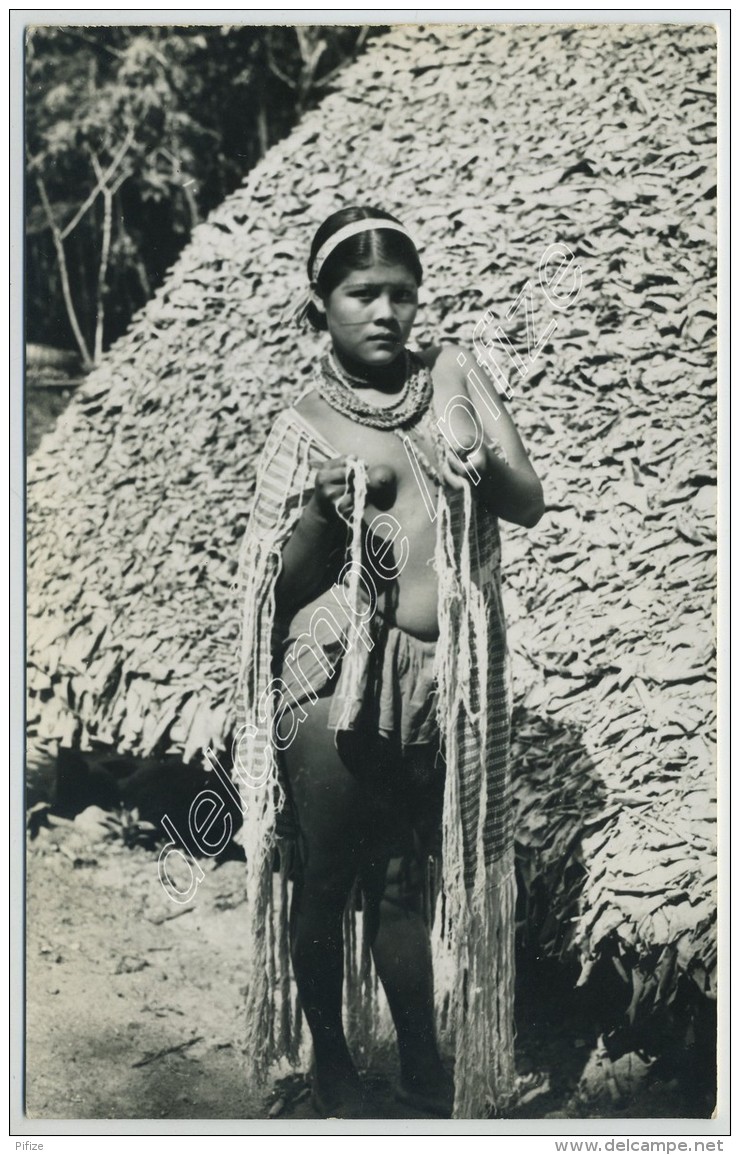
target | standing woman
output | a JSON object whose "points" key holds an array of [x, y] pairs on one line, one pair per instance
{"points": [[374, 739]]}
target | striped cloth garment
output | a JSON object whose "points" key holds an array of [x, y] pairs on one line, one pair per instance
{"points": [[473, 924]]}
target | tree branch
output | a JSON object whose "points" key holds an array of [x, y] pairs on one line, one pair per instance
{"points": [[63, 272], [102, 180], [103, 273], [311, 55], [278, 72], [326, 80], [76, 35], [104, 255], [187, 192]]}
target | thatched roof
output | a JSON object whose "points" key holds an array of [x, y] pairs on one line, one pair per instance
{"points": [[491, 143]]}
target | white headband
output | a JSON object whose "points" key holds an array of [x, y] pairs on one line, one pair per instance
{"points": [[350, 231]]}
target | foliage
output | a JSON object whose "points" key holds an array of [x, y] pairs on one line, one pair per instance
{"points": [[133, 135]]}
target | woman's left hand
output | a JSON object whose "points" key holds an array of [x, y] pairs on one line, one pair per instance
{"points": [[459, 467]]}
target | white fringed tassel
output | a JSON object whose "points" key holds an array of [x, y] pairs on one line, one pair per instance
{"points": [[484, 1063], [473, 935], [259, 1043], [350, 688]]}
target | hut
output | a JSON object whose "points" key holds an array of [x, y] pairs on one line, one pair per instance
{"points": [[500, 147]]}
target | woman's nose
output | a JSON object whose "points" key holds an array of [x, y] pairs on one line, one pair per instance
{"points": [[384, 309]]}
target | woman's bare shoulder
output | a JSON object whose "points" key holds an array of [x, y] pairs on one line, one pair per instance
{"points": [[306, 403], [445, 363], [314, 412], [313, 407], [441, 356], [429, 354]]}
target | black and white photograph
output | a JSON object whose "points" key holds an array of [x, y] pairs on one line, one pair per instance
{"points": [[370, 419]]}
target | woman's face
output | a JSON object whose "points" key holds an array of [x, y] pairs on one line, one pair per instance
{"points": [[370, 313]]}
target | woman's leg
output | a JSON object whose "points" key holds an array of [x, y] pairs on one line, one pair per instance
{"points": [[327, 803], [410, 814]]}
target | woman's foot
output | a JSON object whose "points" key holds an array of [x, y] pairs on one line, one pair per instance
{"points": [[337, 1094], [426, 1086]]}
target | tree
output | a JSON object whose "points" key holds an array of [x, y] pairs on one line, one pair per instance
{"points": [[103, 110], [133, 133]]}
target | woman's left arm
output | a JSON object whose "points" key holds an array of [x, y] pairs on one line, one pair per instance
{"points": [[495, 461]]}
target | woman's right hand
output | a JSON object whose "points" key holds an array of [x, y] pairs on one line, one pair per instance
{"points": [[332, 495], [318, 535]]}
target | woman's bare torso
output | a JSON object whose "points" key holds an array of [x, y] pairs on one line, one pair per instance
{"points": [[409, 601]]}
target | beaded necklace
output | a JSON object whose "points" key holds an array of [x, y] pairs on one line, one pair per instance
{"points": [[404, 417], [342, 391]]}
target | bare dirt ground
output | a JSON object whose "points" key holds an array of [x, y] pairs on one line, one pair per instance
{"points": [[131, 1012], [135, 1007]]}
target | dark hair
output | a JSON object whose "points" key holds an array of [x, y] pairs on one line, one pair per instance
{"points": [[357, 252]]}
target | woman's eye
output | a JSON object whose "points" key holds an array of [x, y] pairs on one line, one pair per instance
{"points": [[400, 297]]}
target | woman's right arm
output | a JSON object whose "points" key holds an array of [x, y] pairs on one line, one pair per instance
{"points": [[317, 539]]}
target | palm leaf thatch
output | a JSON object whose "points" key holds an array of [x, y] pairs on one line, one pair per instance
{"points": [[490, 143]]}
